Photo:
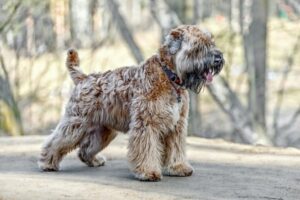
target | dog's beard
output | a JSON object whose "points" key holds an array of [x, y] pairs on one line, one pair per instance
{"points": [[194, 82], [200, 76]]}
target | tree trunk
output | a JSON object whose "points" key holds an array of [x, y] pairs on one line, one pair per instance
{"points": [[179, 7], [164, 16], [194, 115], [229, 12], [58, 13], [80, 22], [195, 125], [6, 95], [196, 11], [255, 37], [207, 8], [241, 15]]}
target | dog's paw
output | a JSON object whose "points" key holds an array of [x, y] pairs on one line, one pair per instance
{"points": [[182, 169], [47, 167], [94, 162], [148, 176], [97, 162]]}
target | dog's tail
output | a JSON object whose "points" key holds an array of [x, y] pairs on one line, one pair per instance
{"points": [[72, 64]]}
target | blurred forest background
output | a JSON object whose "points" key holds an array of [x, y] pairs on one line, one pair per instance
{"points": [[255, 100]]}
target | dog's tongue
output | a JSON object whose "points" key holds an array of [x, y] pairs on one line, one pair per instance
{"points": [[208, 77]]}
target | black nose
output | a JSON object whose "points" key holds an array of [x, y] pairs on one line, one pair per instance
{"points": [[218, 59]]}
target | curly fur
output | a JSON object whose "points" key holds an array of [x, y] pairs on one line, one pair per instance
{"points": [[139, 101]]}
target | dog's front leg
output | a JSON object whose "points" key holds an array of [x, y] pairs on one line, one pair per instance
{"points": [[175, 162], [144, 152]]}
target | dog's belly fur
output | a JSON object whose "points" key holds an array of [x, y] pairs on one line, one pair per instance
{"points": [[110, 97]]}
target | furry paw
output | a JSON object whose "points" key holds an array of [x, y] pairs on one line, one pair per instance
{"points": [[148, 176], [96, 162], [47, 167], [182, 169], [91, 162]]}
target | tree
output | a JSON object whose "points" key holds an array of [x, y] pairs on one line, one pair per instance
{"points": [[10, 116], [255, 46], [81, 22], [124, 30]]}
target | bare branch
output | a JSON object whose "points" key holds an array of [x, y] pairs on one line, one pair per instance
{"points": [[124, 30], [231, 105], [164, 16], [291, 122], [10, 17], [295, 5], [7, 96], [3, 66], [281, 91]]}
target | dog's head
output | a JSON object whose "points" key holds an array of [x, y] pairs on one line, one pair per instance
{"points": [[193, 55]]}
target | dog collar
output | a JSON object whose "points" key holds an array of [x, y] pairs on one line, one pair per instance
{"points": [[174, 80], [171, 75]]}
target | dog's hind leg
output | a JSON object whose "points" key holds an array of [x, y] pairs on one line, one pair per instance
{"points": [[94, 142], [64, 139]]}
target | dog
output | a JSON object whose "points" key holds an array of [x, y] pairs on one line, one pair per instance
{"points": [[150, 102]]}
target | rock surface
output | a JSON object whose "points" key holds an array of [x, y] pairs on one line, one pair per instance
{"points": [[222, 171]]}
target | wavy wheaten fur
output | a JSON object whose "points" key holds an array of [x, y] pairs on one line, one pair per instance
{"points": [[141, 101]]}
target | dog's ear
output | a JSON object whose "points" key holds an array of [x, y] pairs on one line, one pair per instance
{"points": [[173, 41]]}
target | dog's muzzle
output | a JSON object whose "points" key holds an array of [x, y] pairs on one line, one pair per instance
{"points": [[218, 61], [203, 74], [213, 67]]}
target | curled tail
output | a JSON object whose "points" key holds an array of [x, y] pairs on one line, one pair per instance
{"points": [[72, 64]]}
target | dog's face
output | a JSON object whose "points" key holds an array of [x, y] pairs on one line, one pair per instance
{"points": [[194, 55]]}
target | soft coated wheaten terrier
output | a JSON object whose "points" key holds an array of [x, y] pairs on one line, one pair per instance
{"points": [[150, 102]]}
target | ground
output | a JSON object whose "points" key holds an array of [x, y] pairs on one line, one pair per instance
{"points": [[222, 171]]}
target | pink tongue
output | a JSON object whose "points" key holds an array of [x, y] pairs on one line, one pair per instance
{"points": [[208, 77]]}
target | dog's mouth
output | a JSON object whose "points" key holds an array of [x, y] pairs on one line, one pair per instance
{"points": [[209, 73], [213, 70], [202, 75], [208, 76], [196, 80]]}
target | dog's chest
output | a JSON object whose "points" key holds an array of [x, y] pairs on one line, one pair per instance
{"points": [[176, 108], [165, 114]]}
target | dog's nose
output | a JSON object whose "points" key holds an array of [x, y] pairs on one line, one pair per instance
{"points": [[218, 59]]}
